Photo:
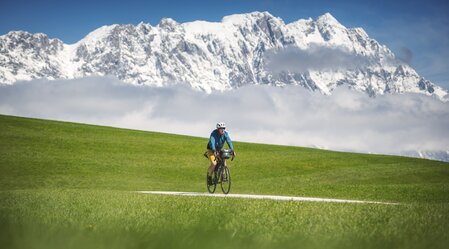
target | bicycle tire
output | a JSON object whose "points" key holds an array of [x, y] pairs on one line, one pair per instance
{"points": [[211, 188], [225, 182]]}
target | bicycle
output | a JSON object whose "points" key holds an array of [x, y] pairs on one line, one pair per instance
{"points": [[221, 174]]}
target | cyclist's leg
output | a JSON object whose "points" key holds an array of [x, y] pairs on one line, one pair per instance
{"points": [[211, 168], [213, 162]]}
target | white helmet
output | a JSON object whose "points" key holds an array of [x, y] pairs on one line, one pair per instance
{"points": [[221, 125]]}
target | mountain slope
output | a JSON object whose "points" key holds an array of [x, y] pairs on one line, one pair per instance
{"points": [[213, 55]]}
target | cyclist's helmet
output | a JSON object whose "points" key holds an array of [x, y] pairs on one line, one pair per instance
{"points": [[221, 125]]}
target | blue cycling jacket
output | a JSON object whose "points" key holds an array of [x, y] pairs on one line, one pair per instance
{"points": [[217, 141]]}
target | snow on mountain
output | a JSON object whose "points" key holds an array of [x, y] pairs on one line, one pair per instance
{"points": [[440, 155], [212, 55]]}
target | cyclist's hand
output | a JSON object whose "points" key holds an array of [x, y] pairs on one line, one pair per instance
{"points": [[234, 154], [216, 153]]}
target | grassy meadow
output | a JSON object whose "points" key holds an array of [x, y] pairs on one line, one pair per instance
{"points": [[67, 185]]}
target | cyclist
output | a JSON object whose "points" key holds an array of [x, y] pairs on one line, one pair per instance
{"points": [[216, 141]]}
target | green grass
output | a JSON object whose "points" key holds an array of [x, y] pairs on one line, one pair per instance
{"points": [[66, 185]]}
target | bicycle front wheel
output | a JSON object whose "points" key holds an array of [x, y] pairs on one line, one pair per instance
{"points": [[225, 180]]}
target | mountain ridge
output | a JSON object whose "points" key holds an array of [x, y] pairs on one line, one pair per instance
{"points": [[211, 56]]}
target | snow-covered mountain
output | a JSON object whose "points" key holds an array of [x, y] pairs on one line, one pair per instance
{"points": [[212, 55]]}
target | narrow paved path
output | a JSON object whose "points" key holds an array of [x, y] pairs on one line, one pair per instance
{"points": [[270, 197]]}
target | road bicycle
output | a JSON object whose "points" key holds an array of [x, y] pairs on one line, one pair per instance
{"points": [[221, 174]]}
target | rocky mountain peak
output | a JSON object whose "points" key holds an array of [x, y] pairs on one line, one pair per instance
{"points": [[328, 19], [212, 56]]}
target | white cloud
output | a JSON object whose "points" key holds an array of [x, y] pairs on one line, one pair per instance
{"points": [[316, 57], [346, 120]]}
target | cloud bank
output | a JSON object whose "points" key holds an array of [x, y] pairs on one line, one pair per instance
{"points": [[345, 121], [316, 57]]}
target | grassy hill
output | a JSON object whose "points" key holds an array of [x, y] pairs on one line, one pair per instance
{"points": [[67, 185]]}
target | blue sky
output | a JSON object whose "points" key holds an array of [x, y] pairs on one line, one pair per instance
{"points": [[417, 31]]}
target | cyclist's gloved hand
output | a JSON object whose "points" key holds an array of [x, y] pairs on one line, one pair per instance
{"points": [[215, 153]]}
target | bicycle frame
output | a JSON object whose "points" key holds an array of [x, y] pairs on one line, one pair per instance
{"points": [[219, 168], [221, 161]]}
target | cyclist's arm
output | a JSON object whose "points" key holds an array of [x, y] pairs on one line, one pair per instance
{"points": [[212, 143], [229, 142]]}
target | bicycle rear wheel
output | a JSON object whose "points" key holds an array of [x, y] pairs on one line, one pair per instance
{"points": [[211, 188], [225, 180]]}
